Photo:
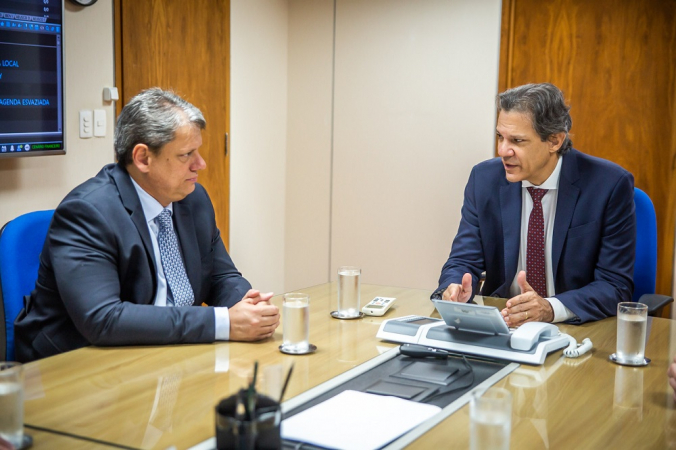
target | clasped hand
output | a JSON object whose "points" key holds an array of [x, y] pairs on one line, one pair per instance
{"points": [[254, 317], [525, 307]]}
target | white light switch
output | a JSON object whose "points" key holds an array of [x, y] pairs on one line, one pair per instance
{"points": [[110, 94], [86, 125], [99, 122]]}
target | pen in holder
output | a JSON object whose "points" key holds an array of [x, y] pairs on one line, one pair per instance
{"points": [[248, 420], [238, 430]]}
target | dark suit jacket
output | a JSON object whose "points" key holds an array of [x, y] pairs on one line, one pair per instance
{"points": [[97, 278], [594, 238]]}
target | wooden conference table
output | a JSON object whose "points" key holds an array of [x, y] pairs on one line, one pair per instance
{"points": [[159, 397]]}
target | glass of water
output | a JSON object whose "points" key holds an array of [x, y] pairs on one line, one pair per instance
{"points": [[349, 285], [632, 319], [11, 402], [296, 324], [490, 415]]}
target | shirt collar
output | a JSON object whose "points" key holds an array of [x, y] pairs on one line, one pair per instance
{"points": [[151, 207], [550, 183]]}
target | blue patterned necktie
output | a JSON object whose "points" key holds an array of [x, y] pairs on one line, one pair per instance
{"points": [[174, 270]]}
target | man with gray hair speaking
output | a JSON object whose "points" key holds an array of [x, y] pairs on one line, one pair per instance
{"points": [[133, 253], [554, 229]]}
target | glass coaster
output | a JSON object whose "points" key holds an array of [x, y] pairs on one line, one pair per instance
{"points": [[337, 315], [613, 358], [27, 442], [292, 351]]}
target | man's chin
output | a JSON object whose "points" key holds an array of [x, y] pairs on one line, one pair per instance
{"points": [[513, 177]]}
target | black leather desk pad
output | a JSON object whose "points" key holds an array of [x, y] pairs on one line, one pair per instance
{"points": [[386, 378], [388, 371]]}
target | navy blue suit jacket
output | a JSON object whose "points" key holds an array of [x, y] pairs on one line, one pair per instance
{"points": [[97, 277], [594, 238]]}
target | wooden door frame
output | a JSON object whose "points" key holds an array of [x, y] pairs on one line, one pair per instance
{"points": [[117, 19]]}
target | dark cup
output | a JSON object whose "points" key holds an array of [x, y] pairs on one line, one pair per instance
{"points": [[241, 434]]}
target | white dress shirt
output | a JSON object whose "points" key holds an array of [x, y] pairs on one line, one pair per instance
{"points": [[561, 313], [151, 209]]}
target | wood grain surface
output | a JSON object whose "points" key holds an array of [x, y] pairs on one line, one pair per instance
{"points": [[155, 397]]}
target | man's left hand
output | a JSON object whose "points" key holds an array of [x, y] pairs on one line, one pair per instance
{"points": [[527, 307]]}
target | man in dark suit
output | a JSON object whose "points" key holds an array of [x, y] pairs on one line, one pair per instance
{"points": [[554, 229], [132, 253]]}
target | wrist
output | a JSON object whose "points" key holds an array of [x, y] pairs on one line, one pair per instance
{"points": [[550, 312]]}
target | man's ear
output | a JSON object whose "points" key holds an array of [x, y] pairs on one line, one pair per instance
{"points": [[140, 157], [556, 141]]}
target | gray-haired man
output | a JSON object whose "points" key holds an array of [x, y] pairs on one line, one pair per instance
{"points": [[553, 228], [132, 253]]}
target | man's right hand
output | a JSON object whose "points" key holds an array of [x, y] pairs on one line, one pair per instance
{"points": [[671, 373], [253, 318], [459, 292]]}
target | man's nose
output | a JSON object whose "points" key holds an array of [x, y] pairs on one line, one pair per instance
{"points": [[504, 149], [199, 163]]}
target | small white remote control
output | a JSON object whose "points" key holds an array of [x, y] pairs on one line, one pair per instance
{"points": [[378, 306]]}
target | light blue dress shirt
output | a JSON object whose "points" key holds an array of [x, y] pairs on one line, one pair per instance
{"points": [[151, 209]]}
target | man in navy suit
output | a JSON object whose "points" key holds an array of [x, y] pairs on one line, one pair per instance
{"points": [[585, 243], [133, 253]]}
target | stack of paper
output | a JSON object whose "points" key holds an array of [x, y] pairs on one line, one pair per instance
{"points": [[356, 420]]}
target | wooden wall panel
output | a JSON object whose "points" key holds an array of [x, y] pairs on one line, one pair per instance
{"points": [[615, 61], [168, 44]]}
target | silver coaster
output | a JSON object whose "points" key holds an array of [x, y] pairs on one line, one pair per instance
{"points": [[613, 358], [311, 349], [337, 315]]}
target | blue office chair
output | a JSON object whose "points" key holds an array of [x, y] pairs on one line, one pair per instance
{"points": [[21, 242], [645, 267]]}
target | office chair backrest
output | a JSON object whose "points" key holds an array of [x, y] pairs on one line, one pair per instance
{"points": [[21, 242], [645, 267]]}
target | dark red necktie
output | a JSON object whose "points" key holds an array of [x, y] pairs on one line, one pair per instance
{"points": [[535, 254]]}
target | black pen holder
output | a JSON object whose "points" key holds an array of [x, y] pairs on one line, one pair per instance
{"points": [[240, 432]]}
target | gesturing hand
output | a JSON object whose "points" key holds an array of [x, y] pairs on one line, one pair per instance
{"points": [[459, 292], [527, 307]]}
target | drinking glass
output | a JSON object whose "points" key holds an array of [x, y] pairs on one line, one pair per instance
{"points": [[632, 319], [490, 415], [348, 293], [296, 324], [11, 402]]}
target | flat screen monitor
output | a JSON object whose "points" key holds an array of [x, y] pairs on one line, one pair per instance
{"points": [[31, 78]]}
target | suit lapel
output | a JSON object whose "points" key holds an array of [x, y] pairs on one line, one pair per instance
{"points": [[185, 228], [132, 203], [565, 206], [510, 207]]}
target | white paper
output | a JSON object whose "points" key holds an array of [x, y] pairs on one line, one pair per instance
{"points": [[356, 420]]}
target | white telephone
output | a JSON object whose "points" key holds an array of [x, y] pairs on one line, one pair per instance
{"points": [[488, 320], [528, 334], [525, 337]]}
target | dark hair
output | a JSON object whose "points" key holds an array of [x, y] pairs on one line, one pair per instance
{"points": [[152, 118], [545, 105]]}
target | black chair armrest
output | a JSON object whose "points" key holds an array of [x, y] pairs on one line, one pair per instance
{"points": [[655, 302]]}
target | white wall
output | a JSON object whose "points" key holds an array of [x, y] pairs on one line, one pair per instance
{"points": [[366, 160], [258, 103], [308, 152], [34, 183], [414, 110]]}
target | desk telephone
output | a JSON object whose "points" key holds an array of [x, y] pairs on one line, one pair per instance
{"points": [[481, 330]]}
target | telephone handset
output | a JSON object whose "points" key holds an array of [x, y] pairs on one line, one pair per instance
{"points": [[528, 334]]}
